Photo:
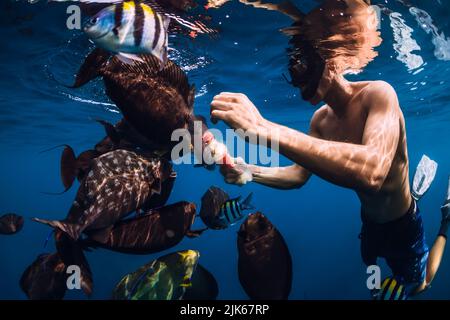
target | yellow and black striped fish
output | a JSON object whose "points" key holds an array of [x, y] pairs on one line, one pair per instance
{"points": [[391, 289], [130, 28], [232, 210]]}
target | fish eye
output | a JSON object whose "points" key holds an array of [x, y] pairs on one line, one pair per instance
{"points": [[94, 20]]}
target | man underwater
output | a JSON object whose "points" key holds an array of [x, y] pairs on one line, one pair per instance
{"points": [[356, 140]]}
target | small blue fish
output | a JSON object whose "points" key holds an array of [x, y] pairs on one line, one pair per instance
{"points": [[232, 210]]}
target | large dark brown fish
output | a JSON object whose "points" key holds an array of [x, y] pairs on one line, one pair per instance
{"points": [[11, 223], [45, 278], [264, 262], [204, 286], [119, 183], [155, 102], [158, 230]]}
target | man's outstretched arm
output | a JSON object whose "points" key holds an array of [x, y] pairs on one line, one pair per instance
{"points": [[358, 166], [285, 178]]}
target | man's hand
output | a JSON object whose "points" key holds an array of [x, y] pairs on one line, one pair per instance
{"points": [[236, 110], [238, 172]]}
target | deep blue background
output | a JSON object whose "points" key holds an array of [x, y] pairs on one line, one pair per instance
{"points": [[319, 222]]}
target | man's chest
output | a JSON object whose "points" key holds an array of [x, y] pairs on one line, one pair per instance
{"points": [[349, 129]]}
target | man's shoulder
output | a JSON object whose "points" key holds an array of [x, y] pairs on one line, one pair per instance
{"points": [[320, 114], [318, 119], [379, 89], [379, 93]]}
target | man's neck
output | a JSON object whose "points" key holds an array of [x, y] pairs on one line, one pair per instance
{"points": [[339, 95]]}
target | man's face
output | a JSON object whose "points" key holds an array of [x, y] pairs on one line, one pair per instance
{"points": [[307, 72]]}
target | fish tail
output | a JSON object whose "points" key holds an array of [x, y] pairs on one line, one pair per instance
{"points": [[72, 230], [91, 67], [246, 203]]}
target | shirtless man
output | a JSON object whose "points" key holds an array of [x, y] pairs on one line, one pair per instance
{"points": [[356, 140]]}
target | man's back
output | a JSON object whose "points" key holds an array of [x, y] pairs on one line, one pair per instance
{"points": [[393, 199]]}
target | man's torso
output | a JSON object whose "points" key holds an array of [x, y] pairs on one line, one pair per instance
{"points": [[394, 199]]}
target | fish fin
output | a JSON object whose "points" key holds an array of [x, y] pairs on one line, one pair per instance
{"points": [[187, 283], [157, 185], [173, 174], [69, 167], [197, 26], [171, 74], [423, 177], [285, 7], [246, 204], [101, 235], [48, 238], [176, 77], [91, 67], [195, 233], [162, 58], [84, 160], [191, 99], [111, 131], [128, 58], [72, 230]]}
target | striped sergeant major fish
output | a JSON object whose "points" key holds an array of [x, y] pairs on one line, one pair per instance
{"points": [[391, 289], [232, 210], [130, 28]]}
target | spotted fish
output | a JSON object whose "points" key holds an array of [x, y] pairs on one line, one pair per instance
{"points": [[157, 230], [119, 183], [119, 136]]}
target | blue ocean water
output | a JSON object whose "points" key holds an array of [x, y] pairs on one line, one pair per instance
{"points": [[320, 222]]}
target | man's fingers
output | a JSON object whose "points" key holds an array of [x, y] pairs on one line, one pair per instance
{"points": [[221, 105], [217, 115], [224, 98]]}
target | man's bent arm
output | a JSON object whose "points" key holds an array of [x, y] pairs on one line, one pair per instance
{"points": [[285, 178], [362, 167]]}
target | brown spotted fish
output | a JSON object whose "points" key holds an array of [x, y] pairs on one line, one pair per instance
{"points": [[11, 223], [119, 136], [119, 183], [45, 278], [264, 261], [158, 230], [155, 102]]}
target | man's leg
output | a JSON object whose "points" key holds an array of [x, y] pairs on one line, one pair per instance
{"points": [[437, 251]]}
